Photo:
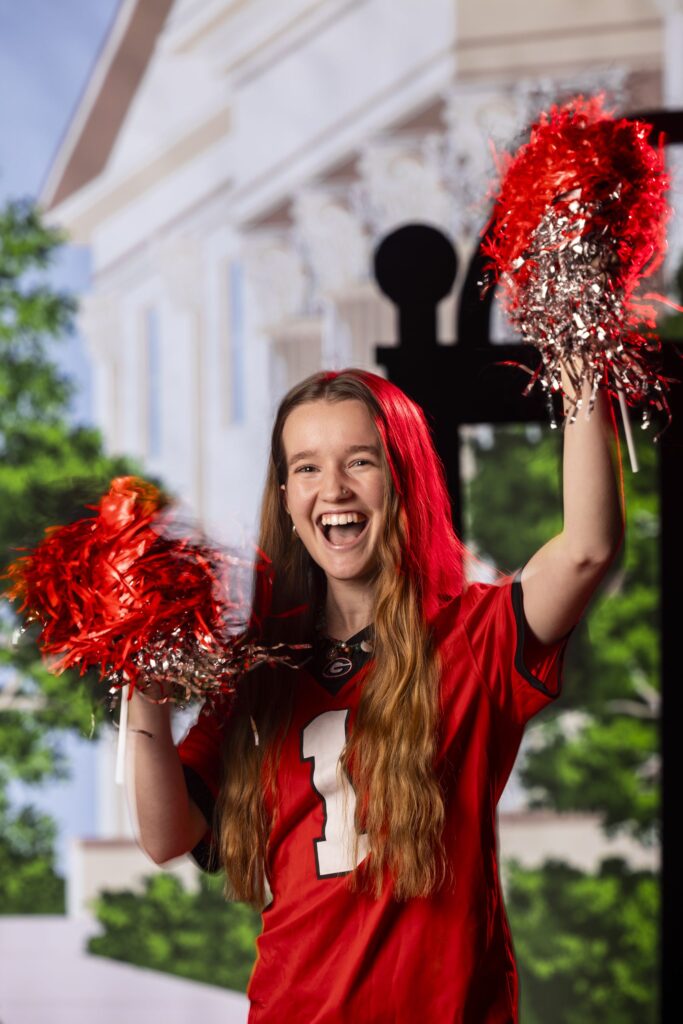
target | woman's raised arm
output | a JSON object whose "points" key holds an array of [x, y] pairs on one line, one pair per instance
{"points": [[560, 578]]}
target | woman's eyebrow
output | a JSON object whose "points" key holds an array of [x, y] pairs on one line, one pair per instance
{"points": [[351, 450], [301, 455], [372, 448]]}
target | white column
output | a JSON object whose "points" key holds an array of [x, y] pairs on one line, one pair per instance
{"points": [[100, 324], [672, 43], [672, 98], [180, 265]]}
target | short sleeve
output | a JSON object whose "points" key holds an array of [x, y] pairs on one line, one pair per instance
{"points": [[201, 756], [522, 675]]}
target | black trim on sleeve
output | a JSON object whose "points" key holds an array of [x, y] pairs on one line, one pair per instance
{"points": [[204, 854], [518, 607]]}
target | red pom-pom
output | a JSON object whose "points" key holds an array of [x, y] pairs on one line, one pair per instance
{"points": [[579, 149], [120, 592], [579, 220], [102, 587]]}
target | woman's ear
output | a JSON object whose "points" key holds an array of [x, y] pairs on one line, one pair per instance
{"points": [[284, 498]]}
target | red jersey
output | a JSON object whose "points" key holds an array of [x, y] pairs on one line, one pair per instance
{"points": [[329, 956]]}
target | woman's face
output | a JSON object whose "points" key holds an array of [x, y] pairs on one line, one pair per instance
{"points": [[334, 469]]}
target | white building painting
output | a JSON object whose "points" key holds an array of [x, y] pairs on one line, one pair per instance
{"points": [[244, 180], [231, 168]]}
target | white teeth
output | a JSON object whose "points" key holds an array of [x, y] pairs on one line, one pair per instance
{"points": [[342, 520]]}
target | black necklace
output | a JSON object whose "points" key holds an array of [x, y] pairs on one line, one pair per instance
{"points": [[345, 647]]}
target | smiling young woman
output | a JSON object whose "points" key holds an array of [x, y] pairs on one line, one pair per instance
{"points": [[355, 796]]}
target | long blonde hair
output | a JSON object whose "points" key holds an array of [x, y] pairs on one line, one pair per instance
{"points": [[389, 757]]}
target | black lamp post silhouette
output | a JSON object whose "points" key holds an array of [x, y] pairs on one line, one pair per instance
{"points": [[455, 384]]}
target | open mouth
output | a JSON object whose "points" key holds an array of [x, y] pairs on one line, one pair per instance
{"points": [[343, 535]]}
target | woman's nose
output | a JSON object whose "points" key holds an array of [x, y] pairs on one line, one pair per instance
{"points": [[334, 486]]}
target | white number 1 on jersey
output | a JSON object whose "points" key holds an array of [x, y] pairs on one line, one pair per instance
{"points": [[322, 742]]}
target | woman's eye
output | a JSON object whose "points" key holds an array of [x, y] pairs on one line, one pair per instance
{"points": [[356, 462]]}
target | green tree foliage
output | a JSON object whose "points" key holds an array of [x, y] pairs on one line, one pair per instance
{"points": [[29, 883], [605, 770], [585, 944], [166, 928], [49, 469]]}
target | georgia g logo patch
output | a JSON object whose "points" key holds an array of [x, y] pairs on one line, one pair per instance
{"points": [[337, 667]]}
